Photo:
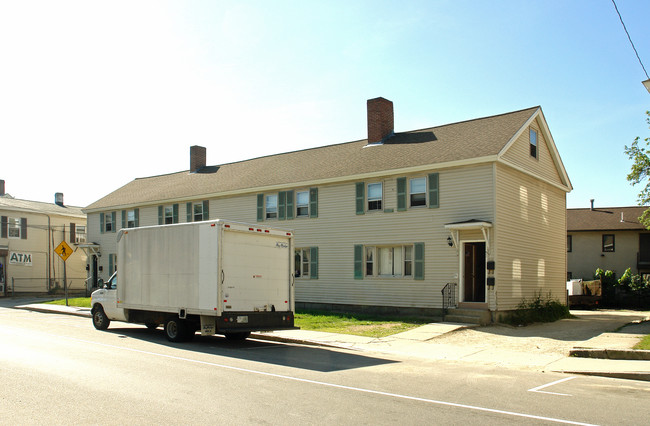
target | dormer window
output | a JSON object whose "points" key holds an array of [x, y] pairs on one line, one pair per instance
{"points": [[533, 143]]}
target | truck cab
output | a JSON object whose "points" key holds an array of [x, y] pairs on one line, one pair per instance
{"points": [[103, 302]]}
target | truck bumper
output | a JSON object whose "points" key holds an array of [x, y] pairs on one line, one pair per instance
{"points": [[255, 321]]}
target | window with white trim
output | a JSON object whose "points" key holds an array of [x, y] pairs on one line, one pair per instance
{"points": [[389, 261], [109, 226], [533, 143], [271, 206], [302, 204], [197, 209], [375, 196], [130, 219], [168, 215], [302, 263], [13, 226], [80, 234], [418, 192]]}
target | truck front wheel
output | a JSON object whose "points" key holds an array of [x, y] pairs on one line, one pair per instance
{"points": [[100, 320], [176, 330]]}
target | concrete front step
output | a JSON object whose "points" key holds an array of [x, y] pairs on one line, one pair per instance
{"points": [[469, 316]]}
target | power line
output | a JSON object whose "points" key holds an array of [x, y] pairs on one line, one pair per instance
{"points": [[629, 38]]}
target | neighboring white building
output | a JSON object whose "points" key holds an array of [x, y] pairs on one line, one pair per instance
{"points": [[30, 231], [387, 223]]}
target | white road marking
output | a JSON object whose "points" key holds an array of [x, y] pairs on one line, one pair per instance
{"points": [[334, 385], [538, 389]]}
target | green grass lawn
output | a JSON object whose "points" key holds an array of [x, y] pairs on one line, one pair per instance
{"points": [[644, 343], [357, 324], [82, 302]]}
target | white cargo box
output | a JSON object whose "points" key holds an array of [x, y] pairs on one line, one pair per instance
{"points": [[206, 268], [574, 287]]}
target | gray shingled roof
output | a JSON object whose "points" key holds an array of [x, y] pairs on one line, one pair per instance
{"points": [[39, 207], [604, 219], [452, 142]]}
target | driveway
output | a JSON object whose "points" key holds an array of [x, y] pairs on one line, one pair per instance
{"points": [[556, 338]]}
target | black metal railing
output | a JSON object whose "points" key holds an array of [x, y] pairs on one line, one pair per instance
{"points": [[448, 297]]}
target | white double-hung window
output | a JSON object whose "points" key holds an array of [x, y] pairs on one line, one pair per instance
{"points": [[272, 206], [375, 196], [302, 204], [418, 192], [13, 226]]}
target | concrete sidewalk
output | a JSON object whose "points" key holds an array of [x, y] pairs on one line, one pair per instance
{"points": [[591, 357]]}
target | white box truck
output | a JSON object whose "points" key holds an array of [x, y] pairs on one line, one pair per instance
{"points": [[219, 277]]}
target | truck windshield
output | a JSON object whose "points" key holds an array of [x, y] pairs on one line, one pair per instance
{"points": [[112, 281]]}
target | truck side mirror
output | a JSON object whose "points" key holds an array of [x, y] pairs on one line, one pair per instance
{"points": [[100, 283]]}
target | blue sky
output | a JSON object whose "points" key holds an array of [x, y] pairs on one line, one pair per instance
{"points": [[95, 94]]}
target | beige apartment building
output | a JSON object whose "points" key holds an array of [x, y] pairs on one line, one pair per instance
{"points": [[30, 233], [466, 216], [609, 238]]}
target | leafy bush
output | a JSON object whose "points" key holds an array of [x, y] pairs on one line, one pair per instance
{"points": [[633, 282], [606, 277], [538, 309], [629, 291]]}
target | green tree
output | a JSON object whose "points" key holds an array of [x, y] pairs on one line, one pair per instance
{"points": [[641, 171]]}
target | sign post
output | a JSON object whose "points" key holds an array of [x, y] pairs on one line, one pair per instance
{"points": [[64, 251]]}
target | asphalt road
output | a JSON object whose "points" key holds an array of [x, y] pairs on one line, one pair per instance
{"points": [[58, 369]]}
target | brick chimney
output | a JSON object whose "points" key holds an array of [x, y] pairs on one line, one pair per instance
{"points": [[380, 120], [197, 158]]}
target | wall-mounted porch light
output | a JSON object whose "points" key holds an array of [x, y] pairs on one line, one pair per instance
{"points": [[450, 242]]}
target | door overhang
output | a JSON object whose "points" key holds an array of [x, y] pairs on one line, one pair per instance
{"points": [[470, 225], [90, 249]]}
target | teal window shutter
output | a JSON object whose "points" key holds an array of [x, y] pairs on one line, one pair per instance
{"points": [[175, 213], [401, 194], [361, 197], [101, 223], [110, 264], [123, 218], [313, 202], [260, 207], [358, 262], [188, 208], [290, 208], [434, 192], [418, 260], [313, 263], [137, 217], [161, 219], [206, 209], [114, 221], [282, 205]]}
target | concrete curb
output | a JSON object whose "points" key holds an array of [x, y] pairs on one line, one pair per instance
{"points": [[66, 310], [627, 354], [280, 339], [628, 375]]}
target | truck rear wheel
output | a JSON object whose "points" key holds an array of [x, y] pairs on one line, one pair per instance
{"points": [[176, 330], [100, 320], [242, 335]]}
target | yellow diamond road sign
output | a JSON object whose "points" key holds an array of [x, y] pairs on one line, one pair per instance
{"points": [[63, 250]]}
